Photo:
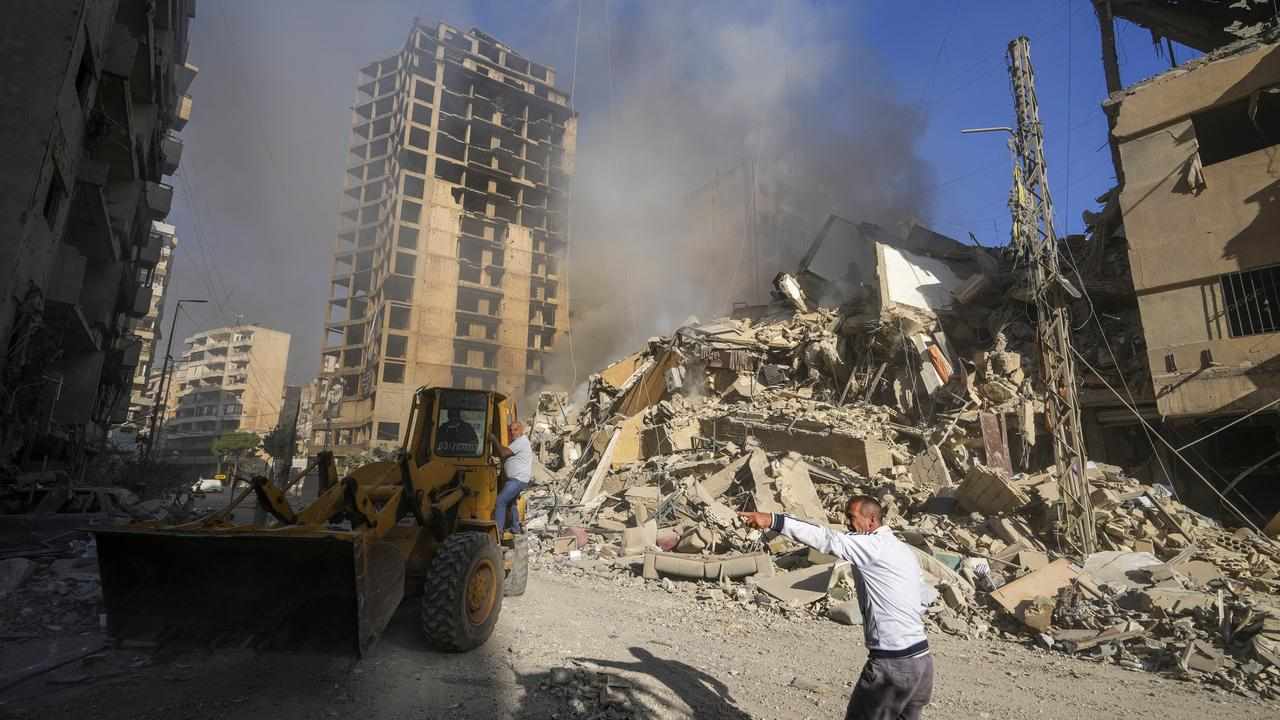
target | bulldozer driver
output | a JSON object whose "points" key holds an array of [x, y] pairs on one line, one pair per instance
{"points": [[456, 435], [517, 462]]}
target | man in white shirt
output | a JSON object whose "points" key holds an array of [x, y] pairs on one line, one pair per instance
{"points": [[897, 681], [518, 465]]}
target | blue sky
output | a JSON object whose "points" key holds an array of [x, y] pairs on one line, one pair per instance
{"points": [[257, 192]]}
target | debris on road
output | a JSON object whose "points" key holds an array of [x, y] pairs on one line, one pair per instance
{"points": [[796, 406]]}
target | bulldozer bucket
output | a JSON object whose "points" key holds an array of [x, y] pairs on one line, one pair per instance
{"points": [[326, 592]]}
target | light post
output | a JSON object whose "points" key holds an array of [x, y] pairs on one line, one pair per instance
{"points": [[162, 392]]}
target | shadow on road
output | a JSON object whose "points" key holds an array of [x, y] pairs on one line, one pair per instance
{"points": [[598, 685]]}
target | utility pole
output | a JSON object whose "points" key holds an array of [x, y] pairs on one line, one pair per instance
{"points": [[1036, 245], [162, 392]]}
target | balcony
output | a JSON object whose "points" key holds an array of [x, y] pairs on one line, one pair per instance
{"points": [[170, 154], [183, 113], [159, 199], [140, 304]]}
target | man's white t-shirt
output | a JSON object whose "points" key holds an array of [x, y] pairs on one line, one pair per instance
{"points": [[519, 465]]}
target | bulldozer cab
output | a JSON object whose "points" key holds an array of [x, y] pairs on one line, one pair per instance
{"points": [[455, 425]]}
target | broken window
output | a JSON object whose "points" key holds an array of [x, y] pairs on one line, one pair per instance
{"points": [[1252, 301], [405, 263], [399, 318], [414, 186], [398, 288], [423, 91], [410, 211], [397, 346], [1240, 127], [393, 372], [413, 161], [419, 138], [421, 114], [408, 238], [389, 431], [448, 172]]}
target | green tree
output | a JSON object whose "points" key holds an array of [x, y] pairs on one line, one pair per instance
{"points": [[235, 446]]}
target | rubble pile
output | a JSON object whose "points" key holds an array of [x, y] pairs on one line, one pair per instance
{"points": [[52, 590], [794, 407]]}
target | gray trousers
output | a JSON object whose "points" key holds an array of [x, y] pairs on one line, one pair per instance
{"points": [[892, 689]]}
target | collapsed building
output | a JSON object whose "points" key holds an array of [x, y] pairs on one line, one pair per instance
{"points": [[903, 366]]}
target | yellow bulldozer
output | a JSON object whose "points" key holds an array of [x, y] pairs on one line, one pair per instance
{"points": [[329, 577]]}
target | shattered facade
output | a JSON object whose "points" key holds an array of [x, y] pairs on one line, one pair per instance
{"points": [[447, 270], [92, 95], [1199, 209]]}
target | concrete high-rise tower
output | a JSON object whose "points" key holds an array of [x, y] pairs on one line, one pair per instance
{"points": [[447, 267]]}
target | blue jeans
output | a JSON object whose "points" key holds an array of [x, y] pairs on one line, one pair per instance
{"points": [[507, 497]]}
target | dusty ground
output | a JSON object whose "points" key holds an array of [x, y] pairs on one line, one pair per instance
{"points": [[572, 641]]}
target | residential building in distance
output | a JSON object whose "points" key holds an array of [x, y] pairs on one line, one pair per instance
{"points": [[229, 379], [446, 269], [91, 92], [150, 333]]}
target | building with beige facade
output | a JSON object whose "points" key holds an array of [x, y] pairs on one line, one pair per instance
{"points": [[228, 379], [447, 266]]}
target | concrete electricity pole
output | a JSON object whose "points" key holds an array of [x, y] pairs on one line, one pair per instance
{"points": [[1036, 245]]}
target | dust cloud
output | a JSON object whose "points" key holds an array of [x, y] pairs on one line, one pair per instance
{"points": [[712, 114]]}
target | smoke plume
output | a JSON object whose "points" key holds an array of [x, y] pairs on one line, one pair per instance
{"points": [[714, 113]]}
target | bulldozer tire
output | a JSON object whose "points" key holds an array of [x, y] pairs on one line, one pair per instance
{"points": [[462, 596], [518, 577]]}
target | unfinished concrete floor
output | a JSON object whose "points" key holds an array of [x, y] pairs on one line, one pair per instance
{"points": [[585, 647]]}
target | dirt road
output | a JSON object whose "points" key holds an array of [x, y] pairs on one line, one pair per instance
{"points": [[586, 647]]}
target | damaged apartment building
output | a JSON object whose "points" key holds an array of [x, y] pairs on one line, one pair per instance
{"points": [[447, 267], [92, 92], [1198, 161]]}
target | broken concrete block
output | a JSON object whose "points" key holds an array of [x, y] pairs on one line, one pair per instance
{"points": [[668, 438], [846, 613], [929, 469], [1120, 570], [796, 491], [953, 597], [1019, 596], [13, 573], [636, 540], [998, 391], [1172, 602], [1200, 656], [719, 483], [696, 539], [1199, 572], [1038, 614], [984, 490], [805, 586]]}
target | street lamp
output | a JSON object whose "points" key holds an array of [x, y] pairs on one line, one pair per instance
{"points": [[162, 392]]}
